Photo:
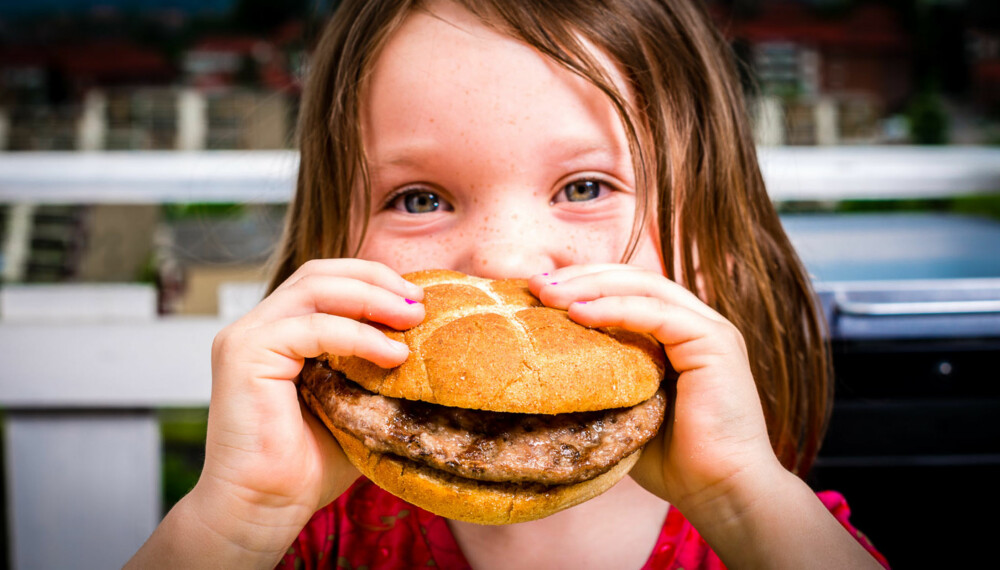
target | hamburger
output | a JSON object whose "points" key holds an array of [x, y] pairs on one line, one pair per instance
{"points": [[505, 411]]}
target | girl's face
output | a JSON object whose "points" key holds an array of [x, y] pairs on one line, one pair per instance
{"points": [[487, 158]]}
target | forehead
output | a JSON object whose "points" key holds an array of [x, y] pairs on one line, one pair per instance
{"points": [[442, 61]]}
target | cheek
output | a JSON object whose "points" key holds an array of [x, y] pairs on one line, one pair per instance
{"points": [[405, 255], [648, 254], [598, 243], [580, 246]]}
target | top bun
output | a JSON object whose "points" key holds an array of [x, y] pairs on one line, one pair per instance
{"points": [[491, 345]]}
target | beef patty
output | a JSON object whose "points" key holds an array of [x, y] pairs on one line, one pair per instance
{"points": [[487, 446]]}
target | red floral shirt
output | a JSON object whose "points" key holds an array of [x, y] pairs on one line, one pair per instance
{"points": [[367, 528]]}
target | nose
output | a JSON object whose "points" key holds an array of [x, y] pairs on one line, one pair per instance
{"points": [[510, 247], [506, 261]]}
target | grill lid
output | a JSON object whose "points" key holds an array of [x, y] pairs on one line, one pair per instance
{"points": [[928, 309]]}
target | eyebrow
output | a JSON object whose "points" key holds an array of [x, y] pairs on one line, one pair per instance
{"points": [[569, 150], [576, 149], [576, 152], [407, 155]]}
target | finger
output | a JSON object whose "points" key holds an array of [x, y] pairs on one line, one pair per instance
{"points": [[622, 282], [690, 339], [276, 350], [341, 296], [339, 473], [372, 272], [648, 471], [564, 274]]}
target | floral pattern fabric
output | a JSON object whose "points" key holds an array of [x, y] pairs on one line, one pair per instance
{"points": [[370, 529]]}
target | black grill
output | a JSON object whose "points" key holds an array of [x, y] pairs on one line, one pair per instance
{"points": [[914, 442]]}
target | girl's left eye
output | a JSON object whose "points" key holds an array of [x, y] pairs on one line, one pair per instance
{"points": [[581, 191]]}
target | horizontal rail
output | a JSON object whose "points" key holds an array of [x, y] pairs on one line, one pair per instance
{"points": [[922, 308], [164, 362], [791, 174], [153, 177]]}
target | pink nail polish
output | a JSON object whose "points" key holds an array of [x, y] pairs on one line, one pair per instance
{"points": [[411, 302], [554, 283]]}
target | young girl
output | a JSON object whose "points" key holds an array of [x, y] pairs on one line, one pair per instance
{"points": [[598, 148]]}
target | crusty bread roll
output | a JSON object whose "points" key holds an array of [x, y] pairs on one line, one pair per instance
{"points": [[491, 345]]}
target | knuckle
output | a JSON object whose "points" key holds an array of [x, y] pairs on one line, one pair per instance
{"points": [[307, 282], [314, 286], [661, 310], [346, 340], [316, 323], [224, 342], [375, 266], [359, 331], [312, 266], [318, 332], [733, 334], [661, 306]]}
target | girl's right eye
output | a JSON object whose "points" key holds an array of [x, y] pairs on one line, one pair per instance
{"points": [[419, 202]]}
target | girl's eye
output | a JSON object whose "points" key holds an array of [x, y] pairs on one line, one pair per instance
{"points": [[581, 191], [419, 202]]}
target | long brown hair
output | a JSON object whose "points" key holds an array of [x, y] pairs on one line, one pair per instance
{"points": [[695, 161]]}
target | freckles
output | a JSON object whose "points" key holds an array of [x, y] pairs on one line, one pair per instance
{"points": [[591, 247], [404, 255]]}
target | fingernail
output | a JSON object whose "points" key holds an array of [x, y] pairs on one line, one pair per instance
{"points": [[411, 302], [396, 345], [554, 283], [546, 274]]}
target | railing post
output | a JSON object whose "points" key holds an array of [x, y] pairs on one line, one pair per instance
{"points": [[83, 483]]}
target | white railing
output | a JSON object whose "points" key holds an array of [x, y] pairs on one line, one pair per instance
{"points": [[83, 367], [791, 173]]}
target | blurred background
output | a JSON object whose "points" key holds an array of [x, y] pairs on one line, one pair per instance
{"points": [[147, 152]]}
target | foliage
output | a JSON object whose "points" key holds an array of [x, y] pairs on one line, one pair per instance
{"points": [[984, 205], [183, 432], [928, 119], [202, 210]]}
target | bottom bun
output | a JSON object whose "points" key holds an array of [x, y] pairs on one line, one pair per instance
{"points": [[464, 499]]}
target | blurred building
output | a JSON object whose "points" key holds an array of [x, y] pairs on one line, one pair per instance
{"points": [[226, 61], [226, 92], [43, 89], [984, 48], [823, 79]]}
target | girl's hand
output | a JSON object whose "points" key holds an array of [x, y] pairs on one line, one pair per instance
{"points": [[269, 463], [712, 458], [715, 441]]}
